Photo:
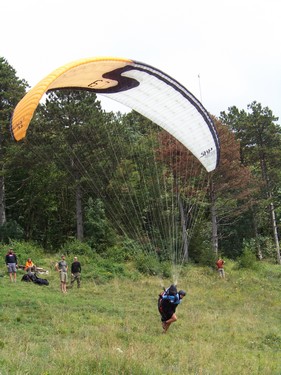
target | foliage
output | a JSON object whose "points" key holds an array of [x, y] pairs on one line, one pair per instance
{"points": [[11, 90], [260, 139], [77, 247], [104, 270], [207, 257], [120, 253], [11, 230], [248, 258], [166, 269], [148, 264], [99, 233], [232, 182], [232, 236], [200, 243], [268, 247]]}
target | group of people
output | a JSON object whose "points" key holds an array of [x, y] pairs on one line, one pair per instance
{"points": [[12, 265], [62, 268]]}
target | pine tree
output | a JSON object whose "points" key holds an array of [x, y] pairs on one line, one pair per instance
{"points": [[260, 141]]}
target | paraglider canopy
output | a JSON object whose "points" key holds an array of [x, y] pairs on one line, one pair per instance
{"points": [[139, 86]]}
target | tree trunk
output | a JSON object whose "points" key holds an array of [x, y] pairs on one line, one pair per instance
{"points": [[2, 201], [215, 241], [275, 232], [184, 234], [271, 209], [79, 213], [260, 256]]}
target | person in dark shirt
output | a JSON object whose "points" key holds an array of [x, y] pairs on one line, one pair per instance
{"points": [[11, 263], [75, 273], [167, 305]]}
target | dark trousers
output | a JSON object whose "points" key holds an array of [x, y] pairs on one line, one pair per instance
{"points": [[75, 276]]}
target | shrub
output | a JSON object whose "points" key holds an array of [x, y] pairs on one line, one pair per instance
{"points": [[123, 252], [116, 254], [77, 248], [103, 270], [199, 245], [207, 257], [148, 264], [11, 230], [248, 258], [166, 269]]}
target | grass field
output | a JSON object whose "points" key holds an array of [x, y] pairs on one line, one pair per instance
{"points": [[230, 326]]}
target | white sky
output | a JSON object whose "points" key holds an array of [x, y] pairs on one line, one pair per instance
{"points": [[234, 46]]}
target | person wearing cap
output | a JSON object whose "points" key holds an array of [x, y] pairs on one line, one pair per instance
{"points": [[169, 305], [11, 263], [62, 268]]}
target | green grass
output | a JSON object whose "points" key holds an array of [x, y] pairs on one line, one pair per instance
{"points": [[230, 326]]}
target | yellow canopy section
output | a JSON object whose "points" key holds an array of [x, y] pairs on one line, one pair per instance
{"points": [[84, 73]]}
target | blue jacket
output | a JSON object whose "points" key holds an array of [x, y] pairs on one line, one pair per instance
{"points": [[173, 299]]}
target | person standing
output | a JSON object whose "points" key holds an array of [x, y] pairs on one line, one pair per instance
{"points": [[62, 268], [220, 264], [11, 263], [75, 273]]}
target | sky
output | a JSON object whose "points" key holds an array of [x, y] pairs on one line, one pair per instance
{"points": [[227, 53]]}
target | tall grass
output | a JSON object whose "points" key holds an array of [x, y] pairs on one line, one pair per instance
{"points": [[227, 326]]}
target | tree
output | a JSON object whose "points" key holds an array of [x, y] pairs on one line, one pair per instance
{"points": [[261, 151], [225, 191], [98, 230], [134, 189], [231, 187], [53, 167], [189, 181], [11, 91], [72, 116]]}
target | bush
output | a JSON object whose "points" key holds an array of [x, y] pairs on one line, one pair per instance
{"points": [[11, 230], [76, 247], [103, 270], [116, 254], [247, 259], [199, 246], [207, 257], [166, 271], [148, 264], [123, 252]]}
